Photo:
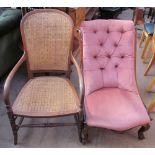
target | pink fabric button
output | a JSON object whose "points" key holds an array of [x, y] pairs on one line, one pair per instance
{"points": [[122, 56], [95, 57], [101, 44], [108, 56], [115, 44], [116, 66], [102, 68], [95, 31]]}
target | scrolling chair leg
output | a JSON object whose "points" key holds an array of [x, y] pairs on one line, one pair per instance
{"points": [[142, 130]]}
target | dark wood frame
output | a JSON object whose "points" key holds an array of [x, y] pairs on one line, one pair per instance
{"points": [[13, 117], [143, 128]]}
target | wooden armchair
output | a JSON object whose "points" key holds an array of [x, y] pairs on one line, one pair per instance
{"points": [[47, 36]]}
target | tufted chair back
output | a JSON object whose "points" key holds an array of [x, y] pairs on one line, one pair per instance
{"points": [[108, 54]]}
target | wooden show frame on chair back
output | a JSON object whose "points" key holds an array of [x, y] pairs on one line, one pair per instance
{"points": [[47, 36]]}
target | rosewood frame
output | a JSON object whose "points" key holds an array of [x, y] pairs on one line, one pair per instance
{"points": [[143, 128], [13, 117]]}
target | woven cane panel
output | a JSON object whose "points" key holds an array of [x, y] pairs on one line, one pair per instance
{"points": [[47, 96], [48, 37]]}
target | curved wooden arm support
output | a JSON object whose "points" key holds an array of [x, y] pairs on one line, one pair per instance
{"points": [[8, 81], [81, 81], [80, 46], [76, 38]]}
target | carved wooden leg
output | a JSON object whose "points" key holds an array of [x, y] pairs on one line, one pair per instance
{"points": [[141, 39], [150, 64], [148, 39], [142, 130]]}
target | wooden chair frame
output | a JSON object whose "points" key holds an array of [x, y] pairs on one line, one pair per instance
{"points": [[148, 39], [13, 117], [86, 127], [152, 104], [151, 50]]}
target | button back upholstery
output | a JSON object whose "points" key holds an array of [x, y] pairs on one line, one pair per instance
{"points": [[108, 54]]}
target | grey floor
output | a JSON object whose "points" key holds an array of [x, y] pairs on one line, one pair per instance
{"points": [[67, 136]]}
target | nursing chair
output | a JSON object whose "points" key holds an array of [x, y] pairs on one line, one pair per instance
{"points": [[111, 97], [47, 36]]}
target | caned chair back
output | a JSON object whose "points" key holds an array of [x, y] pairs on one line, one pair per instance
{"points": [[47, 38]]}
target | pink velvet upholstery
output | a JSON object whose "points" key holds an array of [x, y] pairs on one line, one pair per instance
{"points": [[116, 109], [111, 96]]}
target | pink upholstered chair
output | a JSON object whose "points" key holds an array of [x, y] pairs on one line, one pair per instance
{"points": [[112, 99]]}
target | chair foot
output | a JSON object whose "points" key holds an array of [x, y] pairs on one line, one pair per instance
{"points": [[81, 128], [142, 130], [84, 135], [15, 137]]}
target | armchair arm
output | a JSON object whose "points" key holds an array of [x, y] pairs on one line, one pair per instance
{"points": [[80, 48], [9, 79], [81, 81]]}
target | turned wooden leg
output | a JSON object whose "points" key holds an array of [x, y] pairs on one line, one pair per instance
{"points": [[84, 134], [142, 130], [15, 134], [79, 125], [14, 129], [141, 39], [151, 106], [150, 64], [151, 85], [148, 39]]}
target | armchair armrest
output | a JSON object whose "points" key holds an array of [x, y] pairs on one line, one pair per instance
{"points": [[81, 81], [9, 79], [79, 50]]}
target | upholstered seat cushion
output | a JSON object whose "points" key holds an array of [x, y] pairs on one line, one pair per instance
{"points": [[47, 96], [149, 28], [115, 109]]}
